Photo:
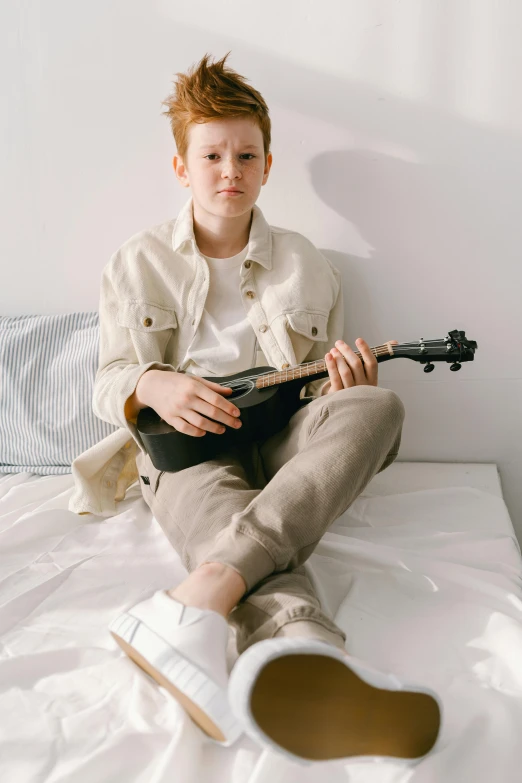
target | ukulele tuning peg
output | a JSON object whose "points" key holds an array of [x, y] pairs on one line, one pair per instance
{"points": [[455, 366], [429, 367]]}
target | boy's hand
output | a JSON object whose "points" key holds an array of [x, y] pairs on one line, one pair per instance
{"points": [[190, 404], [346, 369]]}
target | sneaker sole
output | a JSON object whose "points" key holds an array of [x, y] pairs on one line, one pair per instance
{"points": [[317, 708], [202, 699]]}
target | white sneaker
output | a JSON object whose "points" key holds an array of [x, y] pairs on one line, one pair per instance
{"points": [[309, 701], [184, 650]]}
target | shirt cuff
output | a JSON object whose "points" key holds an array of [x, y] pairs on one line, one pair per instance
{"points": [[109, 402]]}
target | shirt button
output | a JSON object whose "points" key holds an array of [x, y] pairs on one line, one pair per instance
{"points": [[263, 328], [250, 294], [147, 321], [314, 330], [247, 264], [285, 365], [109, 483]]}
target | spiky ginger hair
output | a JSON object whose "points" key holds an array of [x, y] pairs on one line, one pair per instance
{"points": [[211, 92]]}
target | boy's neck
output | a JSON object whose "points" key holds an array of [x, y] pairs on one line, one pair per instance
{"points": [[219, 237]]}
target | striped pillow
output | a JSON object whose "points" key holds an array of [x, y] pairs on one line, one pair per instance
{"points": [[47, 368]]}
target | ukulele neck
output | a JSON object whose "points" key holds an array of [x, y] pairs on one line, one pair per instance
{"points": [[314, 368]]}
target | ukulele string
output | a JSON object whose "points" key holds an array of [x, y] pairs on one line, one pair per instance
{"points": [[383, 352]]}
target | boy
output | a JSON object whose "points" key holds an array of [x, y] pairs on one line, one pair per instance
{"points": [[214, 292]]}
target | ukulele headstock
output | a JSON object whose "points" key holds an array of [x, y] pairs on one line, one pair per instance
{"points": [[455, 348]]}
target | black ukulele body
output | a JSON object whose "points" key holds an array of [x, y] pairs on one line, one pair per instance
{"points": [[264, 411]]}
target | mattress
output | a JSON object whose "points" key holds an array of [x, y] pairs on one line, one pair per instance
{"points": [[423, 573]]}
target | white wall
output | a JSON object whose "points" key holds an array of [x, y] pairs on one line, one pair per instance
{"points": [[397, 144]]}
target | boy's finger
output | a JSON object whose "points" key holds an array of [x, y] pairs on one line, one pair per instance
{"points": [[370, 360], [333, 372]]}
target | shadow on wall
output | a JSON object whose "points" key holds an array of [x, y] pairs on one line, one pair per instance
{"points": [[439, 227], [432, 219]]}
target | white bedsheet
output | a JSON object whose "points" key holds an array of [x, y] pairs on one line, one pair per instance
{"points": [[423, 573]]}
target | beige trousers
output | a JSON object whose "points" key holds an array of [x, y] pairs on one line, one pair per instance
{"points": [[263, 508]]}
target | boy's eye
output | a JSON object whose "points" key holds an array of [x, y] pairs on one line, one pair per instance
{"points": [[213, 154]]}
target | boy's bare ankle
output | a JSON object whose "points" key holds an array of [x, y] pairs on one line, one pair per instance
{"points": [[211, 586]]}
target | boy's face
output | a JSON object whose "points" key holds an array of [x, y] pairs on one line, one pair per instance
{"points": [[225, 153]]}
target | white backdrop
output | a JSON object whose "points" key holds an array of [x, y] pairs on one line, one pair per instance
{"points": [[397, 145]]}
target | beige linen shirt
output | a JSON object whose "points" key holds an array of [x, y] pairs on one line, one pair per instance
{"points": [[152, 296]]}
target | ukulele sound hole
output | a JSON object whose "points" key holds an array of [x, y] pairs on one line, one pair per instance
{"points": [[239, 389]]}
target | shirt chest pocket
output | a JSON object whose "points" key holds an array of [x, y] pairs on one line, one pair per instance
{"points": [[306, 329], [151, 327]]}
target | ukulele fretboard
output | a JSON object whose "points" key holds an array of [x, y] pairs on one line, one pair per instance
{"points": [[312, 368]]}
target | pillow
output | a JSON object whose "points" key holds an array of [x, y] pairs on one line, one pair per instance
{"points": [[47, 368]]}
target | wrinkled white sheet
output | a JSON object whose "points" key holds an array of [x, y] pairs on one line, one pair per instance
{"points": [[426, 582]]}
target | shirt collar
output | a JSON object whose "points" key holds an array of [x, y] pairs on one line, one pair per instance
{"points": [[259, 241]]}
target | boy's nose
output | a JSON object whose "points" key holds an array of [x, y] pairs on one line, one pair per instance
{"points": [[230, 167]]}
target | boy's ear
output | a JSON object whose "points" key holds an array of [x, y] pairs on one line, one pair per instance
{"points": [[180, 170], [268, 164]]}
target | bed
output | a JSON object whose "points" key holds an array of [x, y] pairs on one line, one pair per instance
{"points": [[423, 573]]}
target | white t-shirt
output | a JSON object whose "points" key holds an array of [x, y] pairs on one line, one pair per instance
{"points": [[225, 342]]}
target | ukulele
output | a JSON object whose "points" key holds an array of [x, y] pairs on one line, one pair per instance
{"points": [[267, 398]]}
